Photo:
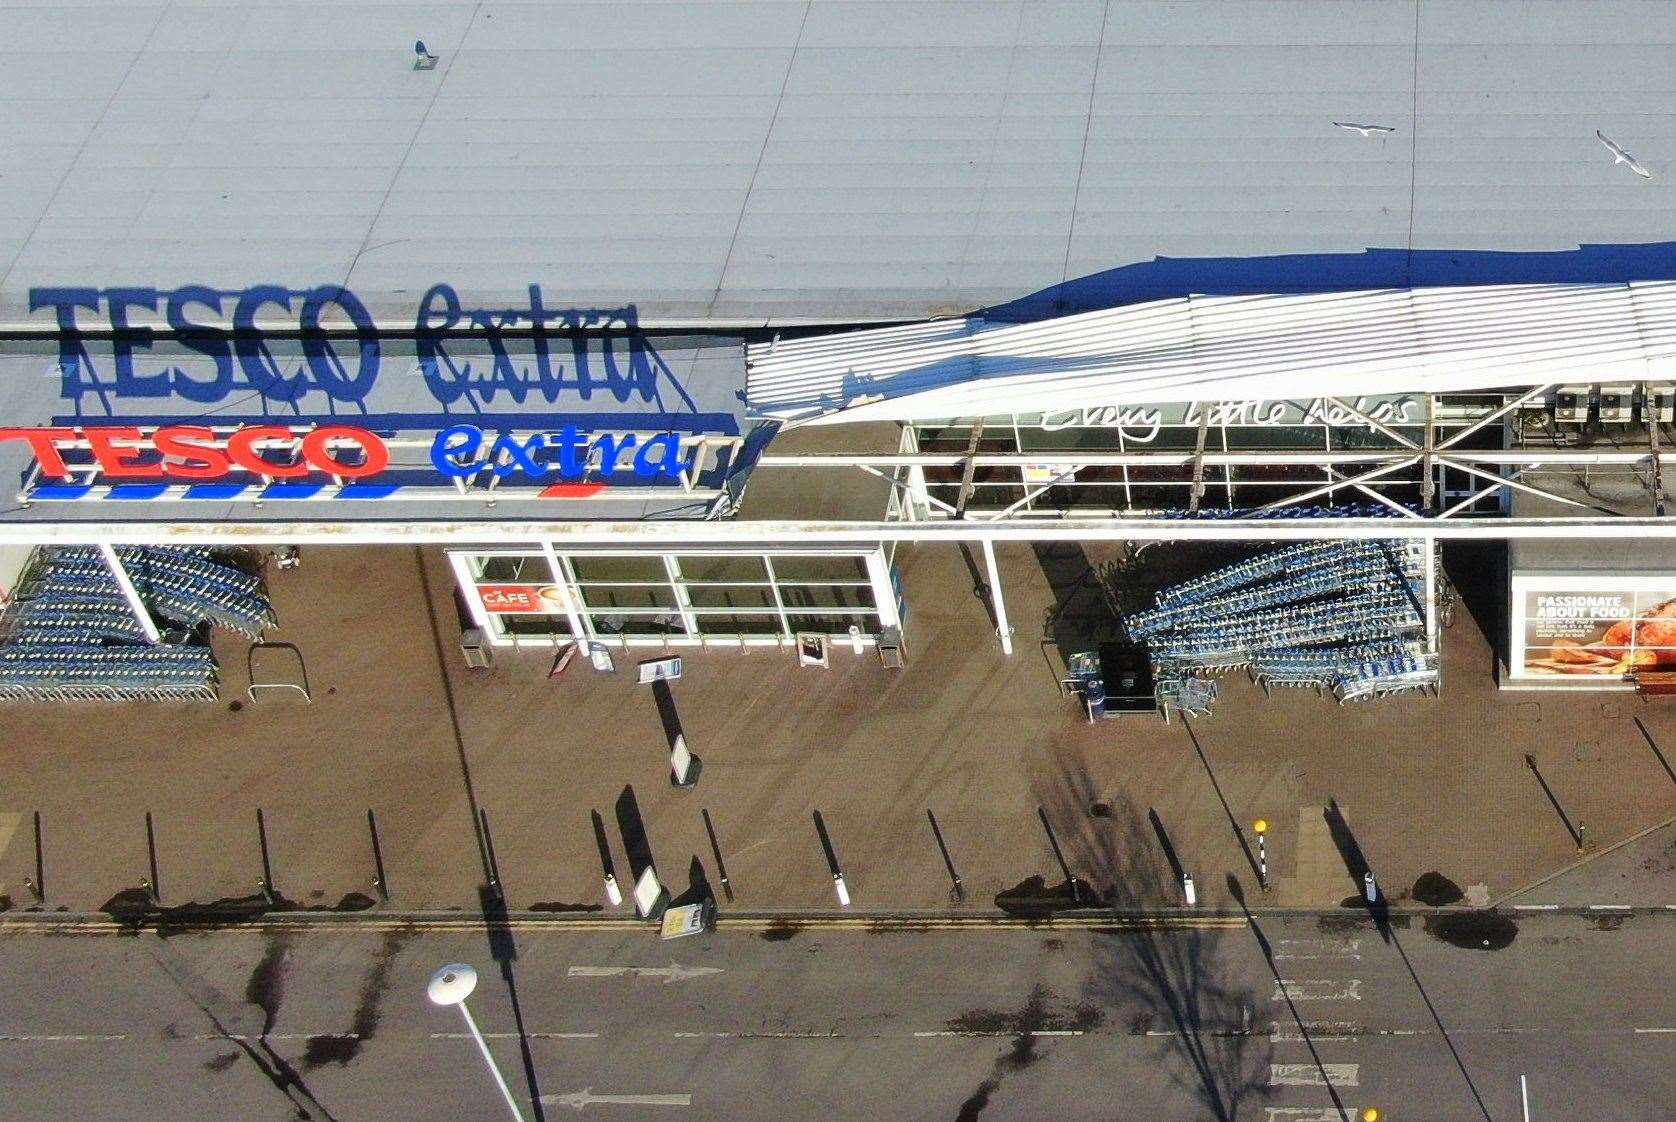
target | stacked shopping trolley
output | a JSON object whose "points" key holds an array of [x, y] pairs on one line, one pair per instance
{"points": [[1349, 616], [72, 636]]}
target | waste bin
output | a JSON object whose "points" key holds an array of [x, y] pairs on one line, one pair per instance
{"points": [[475, 648]]}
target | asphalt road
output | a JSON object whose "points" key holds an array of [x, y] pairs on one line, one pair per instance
{"points": [[1213, 1021]]}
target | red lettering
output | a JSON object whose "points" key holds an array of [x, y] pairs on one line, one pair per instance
{"points": [[242, 451], [41, 444], [375, 457], [194, 451], [120, 461]]}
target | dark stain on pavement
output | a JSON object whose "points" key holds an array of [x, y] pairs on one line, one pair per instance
{"points": [[354, 902], [340, 1048], [1034, 1017], [221, 1061], [1473, 931], [1607, 922], [1100, 810], [266, 986], [1034, 898], [1437, 890], [779, 930], [136, 911], [561, 906]]}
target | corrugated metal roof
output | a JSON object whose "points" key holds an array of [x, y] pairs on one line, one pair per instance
{"points": [[1225, 348], [757, 160]]}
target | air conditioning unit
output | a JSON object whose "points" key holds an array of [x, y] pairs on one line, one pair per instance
{"points": [[1658, 402], [1571, 404], [1617, 403]]}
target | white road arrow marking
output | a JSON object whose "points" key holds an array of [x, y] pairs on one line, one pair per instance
{"points": [[674, 972], [576, 1100], [1311, 1075]]}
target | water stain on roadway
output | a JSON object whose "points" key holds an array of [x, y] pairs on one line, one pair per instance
{"points": [[1035, 1016], [340, 1048], [1473, 931]]}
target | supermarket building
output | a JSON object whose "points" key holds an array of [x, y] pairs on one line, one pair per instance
{"points": [[883, 277]]}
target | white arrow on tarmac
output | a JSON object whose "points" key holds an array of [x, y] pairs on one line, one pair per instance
{"points": [[576, 1100], [674, 972]]}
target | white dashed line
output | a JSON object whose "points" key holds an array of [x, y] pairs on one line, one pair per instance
{"points": [[1315, 1030], [1536, 907], [58, 1037], [1310, 1114], [1611, 908], [1314, 1075], [514, 1036], [1010, 1035], [1656, 1030], [1312, 949], [1317, 989], [242, 1036]]}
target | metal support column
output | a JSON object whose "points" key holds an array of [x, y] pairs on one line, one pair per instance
{"points": [[130, 594], [1002, 628], [567, 589]]}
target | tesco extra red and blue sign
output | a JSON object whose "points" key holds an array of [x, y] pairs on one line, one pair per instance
{"points": [[560, 460]]}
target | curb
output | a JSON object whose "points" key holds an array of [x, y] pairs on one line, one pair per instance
{"points": [[98, 923]]}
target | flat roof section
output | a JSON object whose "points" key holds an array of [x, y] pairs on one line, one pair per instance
{"points": [[778, 161]]}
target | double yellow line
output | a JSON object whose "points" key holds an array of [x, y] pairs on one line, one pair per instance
{"points": [[789, 925]]}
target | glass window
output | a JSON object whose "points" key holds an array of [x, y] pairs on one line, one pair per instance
{"points": [[836, 624], [739, 624], [533, 626], [840, 568], [518, 568], [639, 567], [723, 569], [826, 596], [730, 596], [634, 597]]}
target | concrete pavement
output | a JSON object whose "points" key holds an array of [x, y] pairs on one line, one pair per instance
{"points": [[1426, 785]]}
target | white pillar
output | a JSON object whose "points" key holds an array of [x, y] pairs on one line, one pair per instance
{"points": [[578, 627], [1002, 628], [130, 593]]}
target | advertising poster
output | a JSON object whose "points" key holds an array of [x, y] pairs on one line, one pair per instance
{"points": [[521, 599], [1598, 631]]}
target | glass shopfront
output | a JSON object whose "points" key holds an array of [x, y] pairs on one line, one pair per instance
{"points": [[712, 596]]}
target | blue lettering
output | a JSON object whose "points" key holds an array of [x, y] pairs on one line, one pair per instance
{"points": [[428, 338], [669, 464], [454, 451], [522, 456], [75, 367], [610, 446]]}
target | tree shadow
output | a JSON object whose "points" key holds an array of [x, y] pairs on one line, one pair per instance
{"points": [[1173, 979], [1082, 615]]}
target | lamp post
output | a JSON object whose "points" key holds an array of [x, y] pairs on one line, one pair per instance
{"points": [[451, 985], [1261, 827]]}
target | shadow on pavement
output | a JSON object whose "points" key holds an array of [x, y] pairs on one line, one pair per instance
{"points": [[1379, 909], [1168, 978]]}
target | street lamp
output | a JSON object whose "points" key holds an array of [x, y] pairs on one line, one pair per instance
{"points": [[451, 985]]}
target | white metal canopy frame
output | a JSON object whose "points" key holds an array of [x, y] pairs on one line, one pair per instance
{"points": [[1225, 348]]}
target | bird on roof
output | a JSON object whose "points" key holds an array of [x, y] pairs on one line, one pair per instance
{"points": [[1365, 130], [1619, 156]]}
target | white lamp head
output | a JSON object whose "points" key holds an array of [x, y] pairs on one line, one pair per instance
{"points": [[452, 984]]}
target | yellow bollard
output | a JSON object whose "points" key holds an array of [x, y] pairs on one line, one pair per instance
{"points": [[1371, 1114]]}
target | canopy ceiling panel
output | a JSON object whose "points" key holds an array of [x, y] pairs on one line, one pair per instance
{"points": [[1225, 348]]}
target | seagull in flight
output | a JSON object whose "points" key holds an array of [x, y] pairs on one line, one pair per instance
{"points": [[1619, 156], [1365, 130]]}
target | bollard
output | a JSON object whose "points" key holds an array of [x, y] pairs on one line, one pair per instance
{"points": [[1582, 837], [612, 892], [1370, 890], [379, 880], [716, 850], [37, 884], [265, 882], [1261, 828], [958, 891], [1188, 891], [1371, 1114], [843, 891], [151, 885]]}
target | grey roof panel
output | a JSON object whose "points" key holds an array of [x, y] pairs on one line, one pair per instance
{"points": [[841, 159]]}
